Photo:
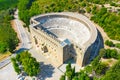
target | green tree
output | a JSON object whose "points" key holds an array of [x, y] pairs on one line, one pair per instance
{"points": [[88, 69], [18, 57], [88, 9], [112, 4], [72, 75], [6, 4], [8, 39], [117, 45], [113, 73], [83, 76], [3, 47], [101, 68], [30, 65], [13, 59], [68, 72], [83, 4], [109, 43], [73, 72], [111, 53], [69, 75], [102, 52], [15, 65], [68, 67], [108, 21], [62, 77], [95, 62], [75, 78], [17, 69]]}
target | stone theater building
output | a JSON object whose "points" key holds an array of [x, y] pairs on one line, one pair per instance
{"points": [[64, 36]]}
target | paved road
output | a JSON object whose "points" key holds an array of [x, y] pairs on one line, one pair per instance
{"points": [[24, 37], [8, 73]]}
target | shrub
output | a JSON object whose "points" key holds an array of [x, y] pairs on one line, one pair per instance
{"points": [[109, 43], [117, 45], [101, 68], [111, 53]]}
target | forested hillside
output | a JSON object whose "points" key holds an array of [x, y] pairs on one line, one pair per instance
{"points": [[8, 37]]}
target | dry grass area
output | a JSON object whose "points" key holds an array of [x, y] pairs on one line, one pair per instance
{"points": [[5, 55], [13, 25], [110, 62], [15, 29]]}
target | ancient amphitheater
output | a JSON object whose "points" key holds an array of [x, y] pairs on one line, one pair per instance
{"points": [[66, 35]]}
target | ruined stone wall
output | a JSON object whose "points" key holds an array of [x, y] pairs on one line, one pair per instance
{"points": [[55, 51]]}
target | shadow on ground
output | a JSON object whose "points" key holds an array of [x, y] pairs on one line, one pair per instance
{"points": [[20, 50], [71, 60], [47, 71]]}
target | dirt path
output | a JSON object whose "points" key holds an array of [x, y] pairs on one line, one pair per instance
{"points": [[15, 29]]}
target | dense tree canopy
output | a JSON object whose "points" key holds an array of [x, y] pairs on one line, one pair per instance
{"points": [[24, 6], [109, 22], [111, 53], [113, 73], [15, 65], [99, 68], [8, 37], [5, 4], [29, 64]]}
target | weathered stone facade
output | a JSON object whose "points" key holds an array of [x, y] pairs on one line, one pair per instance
{"points": [[47, 42]]}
